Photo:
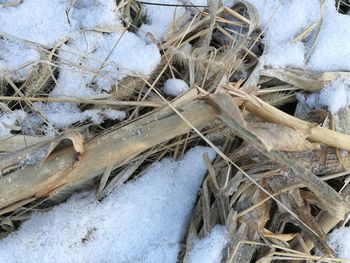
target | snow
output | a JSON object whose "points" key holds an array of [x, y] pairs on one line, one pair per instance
{"points": [[16, 59], [95, 15], [45, 22], [41, 21], [63, 115], [114, 114], [332, 50], [175, 87], [209, 249], [283, 21], [102, 59], [144, 221], [334, 96], [90, 63], [9, 120], [160, 19], [338, 240]]}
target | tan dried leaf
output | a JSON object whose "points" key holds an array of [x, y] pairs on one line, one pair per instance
{"points": [[262, 211], [282, 237], [281, 138], [76, 138]]}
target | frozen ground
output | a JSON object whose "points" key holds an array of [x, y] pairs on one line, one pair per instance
{"points": [[94, 52]]}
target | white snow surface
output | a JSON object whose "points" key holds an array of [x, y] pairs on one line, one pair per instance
{"points": [[332, 50], [334, 97], [144, 221], [175, 87], [9, 120], [63, 115], [41, 21], [339, 241], [90, 62], [46, 22], [283, 20], [95, 14], [209, 249], [16, 59], [101, 59], [161, 19]]}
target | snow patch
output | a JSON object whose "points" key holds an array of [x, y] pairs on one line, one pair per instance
{"points": [[143, 222], [63, 115], [332, 49], [209, 249], [9, 120], [16, 59], [338, 240], [41, 21], [335, 96], [95, 15], [92, 62], [114, 114], [175, 87], [160, 19], [281, 22], [46, 22]]}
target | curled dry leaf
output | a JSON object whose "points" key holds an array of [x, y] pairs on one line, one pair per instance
{"points": [[18, 149], [76, 138], [281, 138]]}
